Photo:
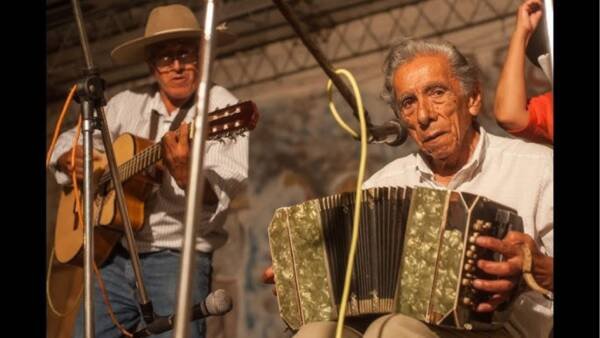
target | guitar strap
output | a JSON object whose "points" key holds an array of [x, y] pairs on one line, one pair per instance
{"points": [[183, 110]]}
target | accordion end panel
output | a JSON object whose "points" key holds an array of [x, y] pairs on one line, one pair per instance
{"points": [[283, 268], [305, 294]]}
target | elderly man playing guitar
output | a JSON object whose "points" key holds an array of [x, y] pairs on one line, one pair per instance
{"points": [[170, 47]]}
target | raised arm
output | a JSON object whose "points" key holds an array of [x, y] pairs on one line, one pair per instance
{"points": [[511, 95]]}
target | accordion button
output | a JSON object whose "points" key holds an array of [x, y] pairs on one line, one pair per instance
{"points": [[469, 267], [487, 226], [467, 301], [470, 253], [478, 226], [466, 282], [471, 261], [473, 237], [472, 248]]}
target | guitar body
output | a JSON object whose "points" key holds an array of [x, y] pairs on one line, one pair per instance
{"points": [[69, 232], [133, 156]]}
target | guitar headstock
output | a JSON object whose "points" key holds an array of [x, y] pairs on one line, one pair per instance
{"points": [[231, 120]]}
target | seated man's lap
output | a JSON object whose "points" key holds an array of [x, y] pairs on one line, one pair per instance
{"points": [[325, 330], [398, 325], [392, 326]]}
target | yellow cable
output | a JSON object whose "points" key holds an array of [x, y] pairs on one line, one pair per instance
{"points": [[334, 111], [359, 183]]}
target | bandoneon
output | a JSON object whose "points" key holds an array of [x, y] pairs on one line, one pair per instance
{"points": [[415, 255]]}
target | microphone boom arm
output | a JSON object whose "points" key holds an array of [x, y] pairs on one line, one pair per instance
{"points": [[377, 134]]}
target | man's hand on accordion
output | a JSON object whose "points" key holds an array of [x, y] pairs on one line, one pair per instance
{"points": [[509, 270]]}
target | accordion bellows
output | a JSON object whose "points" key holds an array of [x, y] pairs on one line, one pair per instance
{"points": [[414, 255]]}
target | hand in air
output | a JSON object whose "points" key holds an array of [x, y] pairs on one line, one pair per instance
{"points": [[529, 15]]}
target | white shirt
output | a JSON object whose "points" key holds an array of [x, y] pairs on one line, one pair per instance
{"points": [[225, 167], [513, 173]]}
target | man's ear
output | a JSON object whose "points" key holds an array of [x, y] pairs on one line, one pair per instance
{"points": [[475, 102]]}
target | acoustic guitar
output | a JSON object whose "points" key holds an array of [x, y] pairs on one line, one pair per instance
{"points": [[134, 157]]}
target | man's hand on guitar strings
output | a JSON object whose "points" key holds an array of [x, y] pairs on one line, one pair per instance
{"points": [[176, 152]]}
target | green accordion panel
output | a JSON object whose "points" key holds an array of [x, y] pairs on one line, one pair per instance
{"points": [[283, 267], [300, 272], [420, 253], [447, 272]]}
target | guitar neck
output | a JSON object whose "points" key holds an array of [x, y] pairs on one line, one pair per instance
{"points": [[136, 164], [226, 122]]}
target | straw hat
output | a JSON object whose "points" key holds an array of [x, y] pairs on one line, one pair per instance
{"points": [[165, 23]]}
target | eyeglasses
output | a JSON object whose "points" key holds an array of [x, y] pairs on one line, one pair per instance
{"points": [[165, 62]]}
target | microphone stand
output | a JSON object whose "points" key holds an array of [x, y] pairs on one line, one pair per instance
{"points": [[549, 16], [377, 134], [90, 93], [195, 189]]}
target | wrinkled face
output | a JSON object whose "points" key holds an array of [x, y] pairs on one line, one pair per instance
{"points": [[432, 104], [174, 65]]}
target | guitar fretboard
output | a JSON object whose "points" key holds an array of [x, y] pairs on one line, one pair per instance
{"points": [[135, 165], [227, 122]]}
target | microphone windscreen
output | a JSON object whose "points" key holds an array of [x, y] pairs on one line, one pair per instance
{"points": [[218, 303]]}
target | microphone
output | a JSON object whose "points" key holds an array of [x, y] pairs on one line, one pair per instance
{"points": [[391, 133], [217, 303]]}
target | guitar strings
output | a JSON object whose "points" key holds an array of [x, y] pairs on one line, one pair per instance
{"points": [[131, 166], [152, 153], [140, 161]]}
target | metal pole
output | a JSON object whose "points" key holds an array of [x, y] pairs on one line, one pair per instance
{"points": [[83, 35], [549, 16], [88, 239], [88, 193], [195, 189], [145, 304], [91, 91]]}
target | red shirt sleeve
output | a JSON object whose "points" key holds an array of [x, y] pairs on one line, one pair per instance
{"points": [[541, 120]]}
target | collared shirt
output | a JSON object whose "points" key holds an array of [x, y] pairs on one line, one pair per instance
{"points": [[225, 167], [510, 172]]}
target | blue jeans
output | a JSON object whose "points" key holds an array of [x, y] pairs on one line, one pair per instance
{"points": [[161, 279]]}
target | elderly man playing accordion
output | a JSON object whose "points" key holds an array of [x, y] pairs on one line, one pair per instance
{"points": [[435, 92]]}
